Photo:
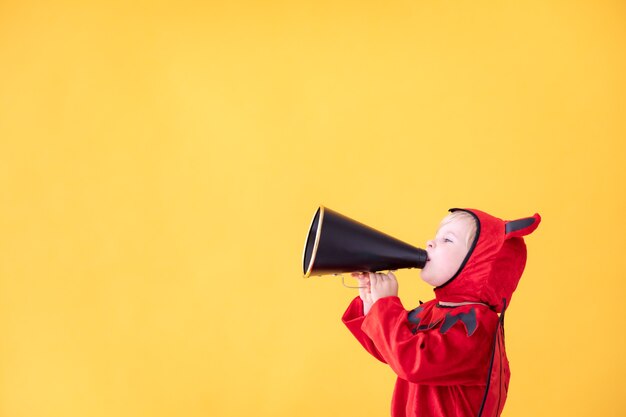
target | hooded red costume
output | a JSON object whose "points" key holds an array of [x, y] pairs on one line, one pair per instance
{"points": [[451, 361]]}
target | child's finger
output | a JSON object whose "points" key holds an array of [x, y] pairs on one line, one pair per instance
{"points": [[359, 276]]}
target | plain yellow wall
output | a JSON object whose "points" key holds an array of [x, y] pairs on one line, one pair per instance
{"points": [[160, 163]]}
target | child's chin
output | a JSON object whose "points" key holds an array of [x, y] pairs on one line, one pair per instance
{"points": [[427, 278]]}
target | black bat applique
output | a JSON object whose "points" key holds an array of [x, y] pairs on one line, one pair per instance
{"points": [[414, 319], [468, 319]]}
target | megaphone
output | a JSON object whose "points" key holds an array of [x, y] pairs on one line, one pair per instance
{"points": [[336, 244]]}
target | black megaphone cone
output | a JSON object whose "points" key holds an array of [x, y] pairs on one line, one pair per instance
{"points": [[336, 244]]}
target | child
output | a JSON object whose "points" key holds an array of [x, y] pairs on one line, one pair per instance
{"points": [[449, 352]]}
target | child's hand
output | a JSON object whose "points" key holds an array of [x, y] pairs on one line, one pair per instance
{"points": [[383, 285], [364, 291]]}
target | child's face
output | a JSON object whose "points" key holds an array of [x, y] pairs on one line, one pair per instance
{"points": [[446, 252]]}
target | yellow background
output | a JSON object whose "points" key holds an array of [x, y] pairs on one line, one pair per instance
{"points": [[160, 163]]}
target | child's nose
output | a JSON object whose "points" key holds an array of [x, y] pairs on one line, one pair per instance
{"points": [[430, 244]]}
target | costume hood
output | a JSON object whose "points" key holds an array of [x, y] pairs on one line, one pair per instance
{"points": [[494, 264]]}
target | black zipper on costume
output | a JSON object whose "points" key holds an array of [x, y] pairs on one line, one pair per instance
{"points": [[500, 382], [493, 354]]}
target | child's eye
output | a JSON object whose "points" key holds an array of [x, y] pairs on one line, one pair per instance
{"points": [[447, 240]]}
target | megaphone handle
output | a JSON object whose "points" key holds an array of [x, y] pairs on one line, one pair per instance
{"points": [[349, 286]]}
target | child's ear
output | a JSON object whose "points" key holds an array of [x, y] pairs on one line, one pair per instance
{"points": [[522, 227]]}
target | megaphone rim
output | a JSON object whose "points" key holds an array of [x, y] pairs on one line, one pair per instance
{"points": [[318, 233]]}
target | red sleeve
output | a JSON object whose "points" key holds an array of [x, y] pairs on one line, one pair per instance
{"points": [[353, 319], [431, 356]]}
